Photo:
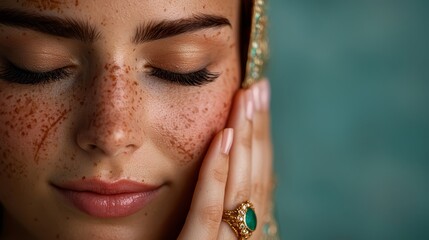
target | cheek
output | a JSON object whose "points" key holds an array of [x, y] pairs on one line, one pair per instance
{"points": [[28, 127], [187, 132], [190, 121]]}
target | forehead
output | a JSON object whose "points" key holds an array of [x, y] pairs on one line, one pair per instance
{"points": [[128, 10]]}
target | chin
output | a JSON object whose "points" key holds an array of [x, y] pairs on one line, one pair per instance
{"points": [[96, 229]]}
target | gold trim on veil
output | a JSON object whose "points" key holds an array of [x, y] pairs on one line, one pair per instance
{"points": [[258, 45]]}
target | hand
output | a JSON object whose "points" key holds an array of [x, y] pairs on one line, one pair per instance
{"points": [[236, 168]]}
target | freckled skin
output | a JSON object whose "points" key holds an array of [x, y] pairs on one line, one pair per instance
{"points": [[110, 120], [52, 5]]}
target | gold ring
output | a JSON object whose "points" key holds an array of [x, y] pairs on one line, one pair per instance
{"points": [[242, 220]]}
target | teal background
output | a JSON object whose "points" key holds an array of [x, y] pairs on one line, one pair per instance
{"points": [[350, 106]]}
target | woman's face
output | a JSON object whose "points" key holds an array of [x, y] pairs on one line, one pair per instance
{"points": [[107, 103]]}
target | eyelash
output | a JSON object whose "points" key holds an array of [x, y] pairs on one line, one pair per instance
{"points": [[11, 73], [197, 78], [14, 74]]}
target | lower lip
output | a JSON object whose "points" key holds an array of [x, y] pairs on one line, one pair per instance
{"points": [[109, 206]]}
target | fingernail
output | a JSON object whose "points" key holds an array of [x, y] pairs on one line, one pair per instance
{"points": [[256, 91], [227, 137], [265, 95], [249, 104]]}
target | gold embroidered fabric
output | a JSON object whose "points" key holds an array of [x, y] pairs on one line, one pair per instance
{"points": [[258, 44]]}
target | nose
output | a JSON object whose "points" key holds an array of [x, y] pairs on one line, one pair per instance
{"points": [[110, 121]]}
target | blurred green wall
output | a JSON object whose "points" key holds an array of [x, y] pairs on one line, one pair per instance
{"points": [[350, 84]]}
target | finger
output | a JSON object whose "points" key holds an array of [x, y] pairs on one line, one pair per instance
{"points": [[206, 210], [268, 170], [238, 186], [261, 154], [262, 148]]}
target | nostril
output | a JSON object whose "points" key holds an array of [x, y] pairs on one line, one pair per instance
{"points": [[111, 140]]}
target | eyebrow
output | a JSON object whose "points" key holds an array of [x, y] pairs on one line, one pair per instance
{"points": [[82, 30], [62, 27], [167, 28]]}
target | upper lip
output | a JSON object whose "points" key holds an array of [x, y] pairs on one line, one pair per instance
{"points": [[106, 188]]}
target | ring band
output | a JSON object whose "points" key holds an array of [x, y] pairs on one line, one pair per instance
{"points": [[242, 220]]}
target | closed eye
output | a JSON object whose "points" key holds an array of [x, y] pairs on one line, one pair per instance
{"points": [[197, 78], [14, 74]]}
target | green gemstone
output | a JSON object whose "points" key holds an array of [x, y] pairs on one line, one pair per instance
{"points": [[250, 219], [253, 52], [257, 17]]}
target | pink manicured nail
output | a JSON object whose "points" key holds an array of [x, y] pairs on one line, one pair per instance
{"points": [[265, 95], [227, 137], [256, 96], [249, 104]]}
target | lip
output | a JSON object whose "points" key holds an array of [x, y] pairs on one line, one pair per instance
{"points": [[108, 199]]}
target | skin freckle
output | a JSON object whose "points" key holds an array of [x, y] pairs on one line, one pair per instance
{"points": [[43, 5], [46, 129], [11, 168]]}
